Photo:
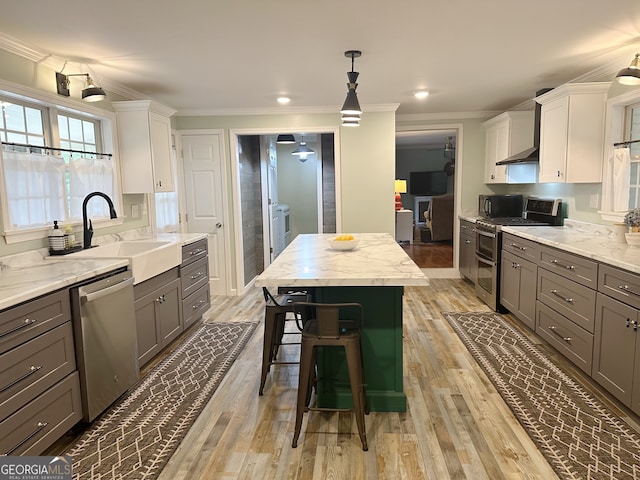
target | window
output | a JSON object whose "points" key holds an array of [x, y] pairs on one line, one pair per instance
{"points": [[623, 124], [40, 184], [632, 132]]}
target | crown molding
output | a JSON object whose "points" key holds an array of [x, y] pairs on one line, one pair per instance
{"points": [[222, 112], [446, 115]]}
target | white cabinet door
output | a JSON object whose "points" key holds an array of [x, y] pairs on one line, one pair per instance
{"points": [[497, 148], [572, 133], [160, 134], [144, 145], [554, 123]]}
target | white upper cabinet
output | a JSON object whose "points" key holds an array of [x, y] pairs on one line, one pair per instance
{"points": [[144, 141], [505, 135], [572, 133]]}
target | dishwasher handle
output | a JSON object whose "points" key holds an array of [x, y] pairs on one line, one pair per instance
{"points": [[89, 297]]}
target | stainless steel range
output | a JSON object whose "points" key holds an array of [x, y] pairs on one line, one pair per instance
{"points": [[538, 212]]}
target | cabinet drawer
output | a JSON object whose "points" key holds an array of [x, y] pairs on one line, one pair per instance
{"points": [[194, 251], [29, 369], [155, 283], [574, 267], [195, 305], [565, 336], [26, 321], [574, 301], [467, 227], [621, 285], [521, 247], [194, 276], [36, 426]]}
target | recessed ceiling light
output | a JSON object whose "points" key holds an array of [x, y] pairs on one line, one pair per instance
{"points": [[421, 94], [283, 100]]}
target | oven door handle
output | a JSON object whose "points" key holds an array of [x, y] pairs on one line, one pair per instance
{"points": [[486, 234], [484, 260]]}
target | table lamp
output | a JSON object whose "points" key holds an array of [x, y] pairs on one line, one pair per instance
{"points": [[400, 187]]}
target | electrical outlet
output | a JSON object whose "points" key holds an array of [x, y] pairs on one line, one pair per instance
{"points": [[594, 200], [144, 208]]}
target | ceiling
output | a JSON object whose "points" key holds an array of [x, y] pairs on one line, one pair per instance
{"points": [[236, 57]]}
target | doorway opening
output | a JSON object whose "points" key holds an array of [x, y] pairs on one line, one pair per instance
{"points": [[281, 194], [427, 158]]}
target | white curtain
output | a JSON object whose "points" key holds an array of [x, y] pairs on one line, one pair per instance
{"points": [[88, 175], [34, 186], [621, 179]]}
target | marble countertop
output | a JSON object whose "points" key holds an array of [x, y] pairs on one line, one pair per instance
{"points": [[591, 241], [31, 274], [309, 261], [19, 284]]}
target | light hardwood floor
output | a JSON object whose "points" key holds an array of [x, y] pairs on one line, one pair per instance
{"points": [[456, 425]]}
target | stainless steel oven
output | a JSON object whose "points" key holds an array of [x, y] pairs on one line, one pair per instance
{"points": [[488, 248], [489, 240]]}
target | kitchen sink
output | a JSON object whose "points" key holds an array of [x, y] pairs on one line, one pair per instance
{"points": [[147, 258]]}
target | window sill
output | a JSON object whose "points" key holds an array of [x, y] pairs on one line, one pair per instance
{"points": [[27, 234], [615, 217]]}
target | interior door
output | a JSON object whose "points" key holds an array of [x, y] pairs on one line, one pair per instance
{"points": [[203, 178]]}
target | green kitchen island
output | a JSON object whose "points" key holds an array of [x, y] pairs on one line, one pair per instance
{"points": [[373, 274]]}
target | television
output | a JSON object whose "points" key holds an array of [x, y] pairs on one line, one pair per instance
{"points": [[428, 183]]}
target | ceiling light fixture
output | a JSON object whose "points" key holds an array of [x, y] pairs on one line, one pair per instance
{"points": [[351, 106], [302, 151], [91, 93], [421, 94], [631, 74], [286, 138], [283, 100]]}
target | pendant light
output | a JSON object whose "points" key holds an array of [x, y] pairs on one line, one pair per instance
{"points": [[351, 110], [285, 139], [631, 74], [302, 151]]}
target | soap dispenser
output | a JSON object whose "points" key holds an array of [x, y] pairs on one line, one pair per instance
{"points": [[56, 238]]}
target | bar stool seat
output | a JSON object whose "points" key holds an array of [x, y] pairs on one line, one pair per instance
{"points": [[276, 309], [322, 327]]}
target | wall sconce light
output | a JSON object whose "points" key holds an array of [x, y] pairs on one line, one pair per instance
{"points": [[91, 93], [631, 74], [302, 151], [351, 110], [400, 187]]}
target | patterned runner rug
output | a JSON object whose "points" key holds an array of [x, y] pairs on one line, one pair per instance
{"points": [[136, 437], [579, 436]]}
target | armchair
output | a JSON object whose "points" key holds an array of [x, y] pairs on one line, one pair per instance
{"points": [[439, 218]]}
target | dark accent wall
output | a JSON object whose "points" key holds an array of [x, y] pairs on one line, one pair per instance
{"points": [[328, 184], [251, 206]]}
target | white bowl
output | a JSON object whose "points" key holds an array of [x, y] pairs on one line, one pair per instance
{"points": [[343, 244], [633, 238]]}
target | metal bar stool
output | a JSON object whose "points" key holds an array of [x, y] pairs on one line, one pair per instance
{"points": [[321, 326], [276, 309]]}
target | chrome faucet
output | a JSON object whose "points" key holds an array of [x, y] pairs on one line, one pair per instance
{"points": [[87, 230]]}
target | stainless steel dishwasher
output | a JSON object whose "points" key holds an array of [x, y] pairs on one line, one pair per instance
{"points": [[105, 340]]}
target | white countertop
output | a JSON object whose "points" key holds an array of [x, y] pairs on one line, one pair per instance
{"points": [[31, 274], [309, 261], [595, 242], [19, 284]]}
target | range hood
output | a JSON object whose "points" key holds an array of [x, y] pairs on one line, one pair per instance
{"points": [[530, 155]]}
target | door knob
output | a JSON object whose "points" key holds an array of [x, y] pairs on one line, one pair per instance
{"points": [[218, 225]]}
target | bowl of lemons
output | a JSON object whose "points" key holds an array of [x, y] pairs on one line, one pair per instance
{"points": [[343, 242]]}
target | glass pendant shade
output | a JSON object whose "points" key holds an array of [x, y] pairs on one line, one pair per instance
{"points": [[302, 150]]}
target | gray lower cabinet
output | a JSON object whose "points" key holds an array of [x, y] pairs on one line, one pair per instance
{"points": [[194, 276], [467, 251], [518, 287], [616, 355], [158, 304], [39, 383]]}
